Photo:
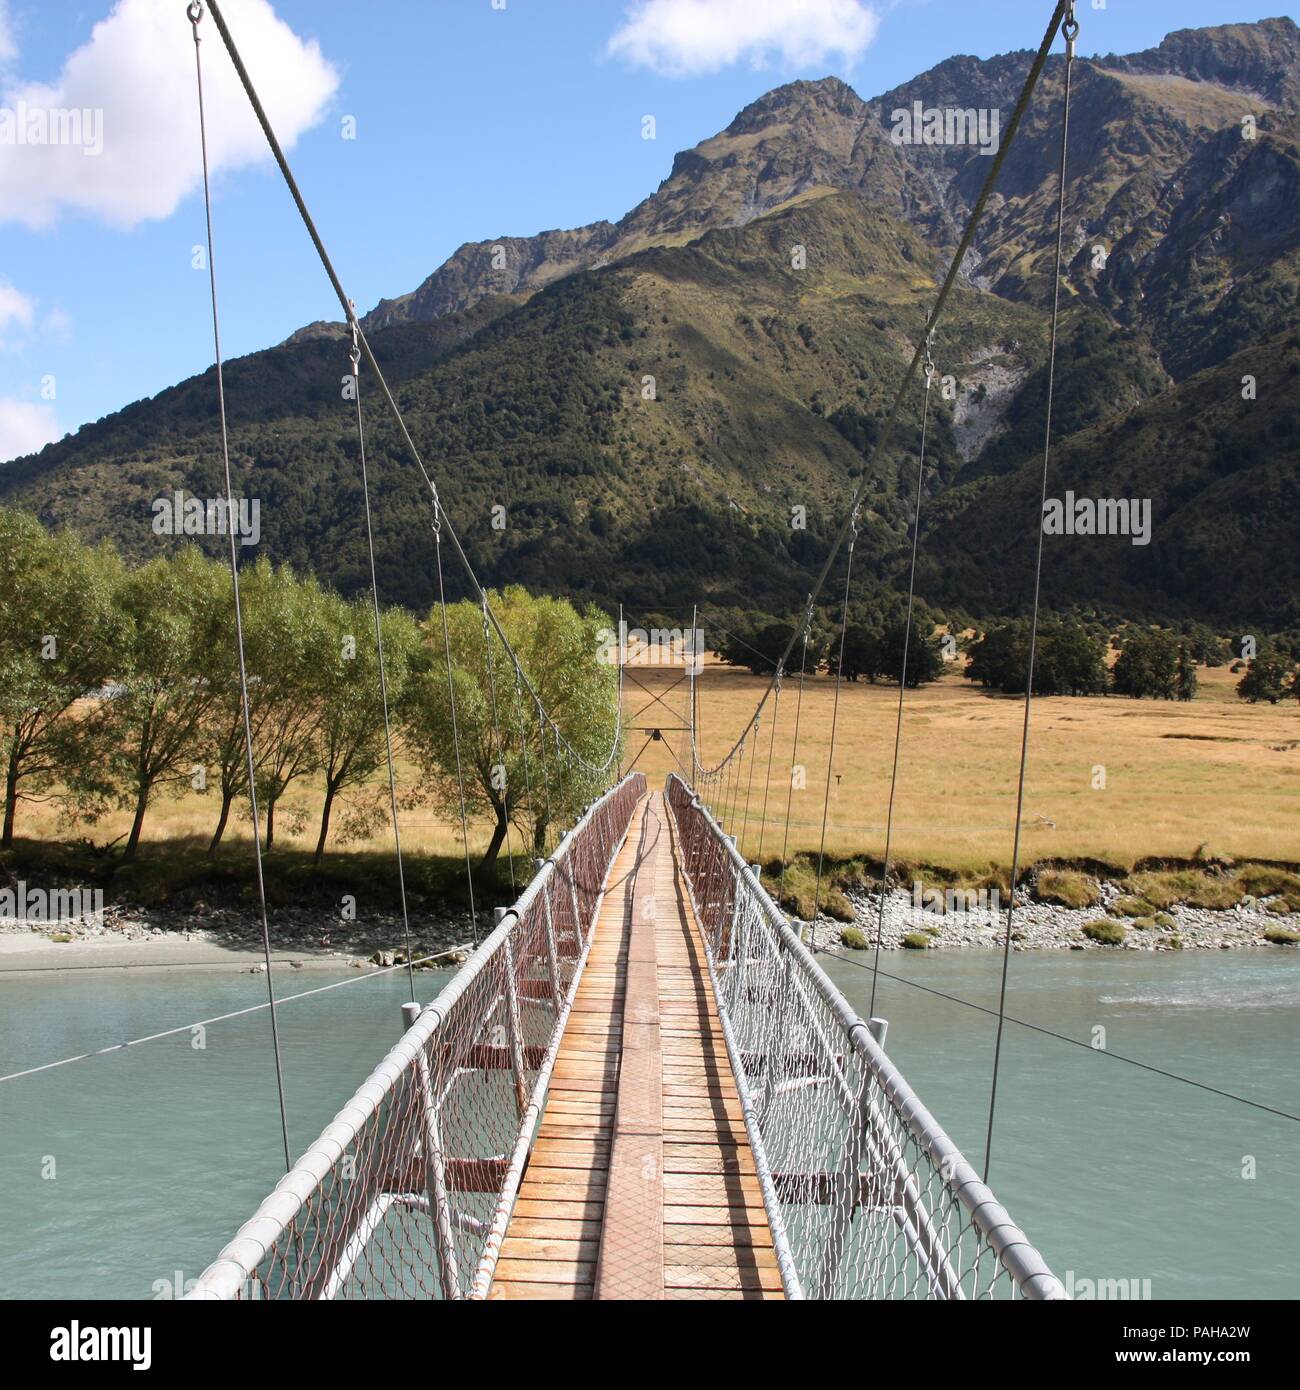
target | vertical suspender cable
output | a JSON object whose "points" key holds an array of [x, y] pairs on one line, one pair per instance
{"points": [[379, 650], [902, 677], [771, 748], [195, 13], [496, 730], [451, 697], [794, 747], [835, 714], [1070, 28]]}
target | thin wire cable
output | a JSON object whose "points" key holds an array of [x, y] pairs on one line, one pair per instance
{"points": [[902, 676], [355, 358], [749, 788], [794, 747], [1071, 30], [221, 1018], [195, 14], [1074, 1042], [767, 785], [830, 752], [455, 731], [501, 757]]}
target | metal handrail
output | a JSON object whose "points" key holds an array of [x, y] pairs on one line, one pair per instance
{"points": [[721, 881], [312, 1227]]}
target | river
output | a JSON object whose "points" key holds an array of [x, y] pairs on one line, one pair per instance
{"points": [[123, 1171]]}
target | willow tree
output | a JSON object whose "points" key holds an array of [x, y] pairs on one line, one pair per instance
{"points": [[285, 627], [514, 768], [58, 641], [149, 732], [348, 695]]}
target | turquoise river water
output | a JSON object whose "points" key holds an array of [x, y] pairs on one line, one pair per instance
{"points": [[121, 1172]]}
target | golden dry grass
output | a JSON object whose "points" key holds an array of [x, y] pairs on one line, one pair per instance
{"points": [[1216, 772]]}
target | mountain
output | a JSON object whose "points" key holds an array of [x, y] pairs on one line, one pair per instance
{"points": [[651, 401]]}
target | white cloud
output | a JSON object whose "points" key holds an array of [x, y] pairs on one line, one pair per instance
{"points": [[681, 38], [15, 306], [133, 82], [25, 426]]}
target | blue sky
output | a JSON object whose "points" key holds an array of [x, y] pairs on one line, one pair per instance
{"points": [[473, 120]]}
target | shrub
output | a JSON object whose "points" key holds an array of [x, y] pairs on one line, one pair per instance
{"points": [[932, 931], [853, 939], [916, 941], [1068, 888], [1105, 931], [1133, 907], [1282, 936], [1282, 907], [1163, 919], [1145, 924]]}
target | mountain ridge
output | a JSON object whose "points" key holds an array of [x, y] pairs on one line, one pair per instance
{"points": [[651, 400]]}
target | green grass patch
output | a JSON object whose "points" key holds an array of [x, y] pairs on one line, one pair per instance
{"points": [[851, 936], [1067, 888], [799, 892], [1282, 936], [1265, 881], [917, 941], [1189, 887], [1105, 931], [1133, 907]]}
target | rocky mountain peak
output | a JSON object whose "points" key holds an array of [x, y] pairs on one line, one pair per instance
{"points": [[1261, 58]]}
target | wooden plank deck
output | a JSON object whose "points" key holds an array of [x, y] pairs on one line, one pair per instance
{"points": [[641, 1184]]}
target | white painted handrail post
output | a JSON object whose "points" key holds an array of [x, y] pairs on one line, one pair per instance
{"points": [[435, 1171], [516, 1030]]}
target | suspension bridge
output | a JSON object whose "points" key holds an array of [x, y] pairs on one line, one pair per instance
{"points": [[641, 1085]]}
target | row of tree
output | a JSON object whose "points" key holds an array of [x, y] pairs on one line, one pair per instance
{"points": [[120, 686], [870, 651], [1070, 656]]}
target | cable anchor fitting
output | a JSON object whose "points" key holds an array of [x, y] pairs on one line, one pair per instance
{"points": [[194, 13], [1070, 28]]}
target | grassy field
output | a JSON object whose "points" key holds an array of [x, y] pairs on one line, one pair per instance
{"points": [[1216, 771]]}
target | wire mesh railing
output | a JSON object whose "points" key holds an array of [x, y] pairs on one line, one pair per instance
{"points": [[408, 1191], [866, 1195]]}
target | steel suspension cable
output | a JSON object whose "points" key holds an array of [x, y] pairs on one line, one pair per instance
{"points": [[1070, 29], [349, 314], [958, 259], [194, 13], [355, 358], [902, 676]]}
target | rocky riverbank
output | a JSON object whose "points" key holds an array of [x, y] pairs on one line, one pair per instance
{"points": [[125, 936], [1039, 926]]}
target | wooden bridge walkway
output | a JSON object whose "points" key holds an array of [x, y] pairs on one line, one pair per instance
{"points": [[641, 1184]]}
